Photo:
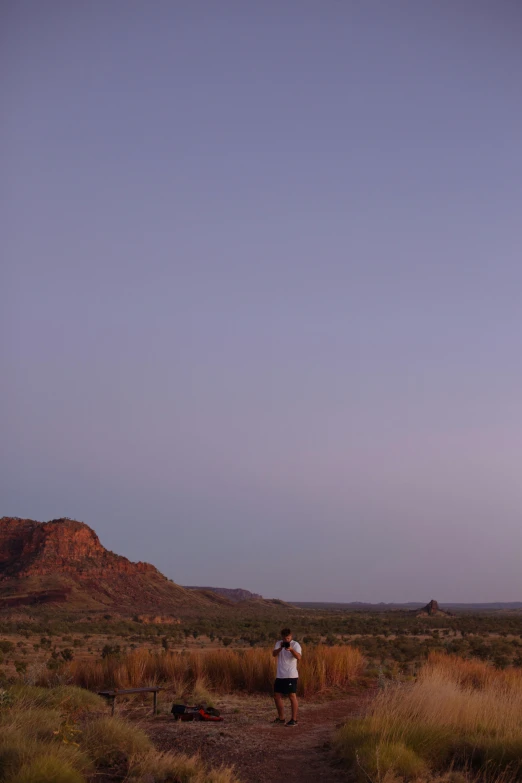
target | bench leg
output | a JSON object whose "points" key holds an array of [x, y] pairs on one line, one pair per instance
{"points": [[155, 703], [113, 702]]}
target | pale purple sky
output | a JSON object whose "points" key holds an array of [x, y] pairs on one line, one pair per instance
{"points": [[261, 289]]}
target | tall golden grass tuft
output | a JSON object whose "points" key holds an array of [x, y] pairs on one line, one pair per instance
{"points": [[223, 671], [458, 713]]}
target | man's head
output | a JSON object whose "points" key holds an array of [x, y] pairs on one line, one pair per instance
{"points": [[286, 634]]}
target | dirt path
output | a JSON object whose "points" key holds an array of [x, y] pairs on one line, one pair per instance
{"points": [[260, 751]]}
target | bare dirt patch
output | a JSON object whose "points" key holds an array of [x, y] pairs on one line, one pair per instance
{"points": [[260, 751]]}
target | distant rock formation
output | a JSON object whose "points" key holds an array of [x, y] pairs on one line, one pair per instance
{"points": [[234, 594], [432, 609]]}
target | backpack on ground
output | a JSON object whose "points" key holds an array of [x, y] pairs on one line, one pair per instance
{"points": [[182, 712]]}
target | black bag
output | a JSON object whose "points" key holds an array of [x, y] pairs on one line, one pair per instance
{"points": [[182, 712]]}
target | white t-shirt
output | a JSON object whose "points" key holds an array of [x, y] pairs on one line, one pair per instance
{"points": [[286, 663]]}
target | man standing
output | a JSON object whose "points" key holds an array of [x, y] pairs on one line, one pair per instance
{"points": [[287, 653]]}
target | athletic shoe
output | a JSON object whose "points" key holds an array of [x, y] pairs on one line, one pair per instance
{"points": [[291, 723], [279, 721]]}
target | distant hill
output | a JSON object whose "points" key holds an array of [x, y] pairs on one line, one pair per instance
{"points": [[360, 606], [235, 594], [62, 562]]}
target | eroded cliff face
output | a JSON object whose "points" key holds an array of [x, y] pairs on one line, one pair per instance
{"points": [[29, 548], [63, 562]]}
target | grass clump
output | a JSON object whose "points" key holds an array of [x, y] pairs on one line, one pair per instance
{"points": [[201, 694], [48, 769], [37, 724], [16, 749], [159, 767], [457, 715], [113, 741], [23, 754], [66, 698], [399, 759]]}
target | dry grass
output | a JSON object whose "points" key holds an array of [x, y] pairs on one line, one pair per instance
{"points": [[39, 724], [57, 736], [165, 767], [458, 714], [112, 741], [21, 752], [66, 698], [224, 671], [48, 769]]}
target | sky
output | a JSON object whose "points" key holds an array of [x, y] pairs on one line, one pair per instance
{"points": [[261, 286]]}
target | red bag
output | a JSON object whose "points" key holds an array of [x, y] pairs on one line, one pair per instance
{"points": [[207, 716]]}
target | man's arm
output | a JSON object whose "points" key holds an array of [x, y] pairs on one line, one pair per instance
{"points": [[295, 653], [276, 652]]}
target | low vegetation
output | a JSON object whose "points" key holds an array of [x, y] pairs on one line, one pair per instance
{"points": [[63, 735], [456, 715], [39, 639]]}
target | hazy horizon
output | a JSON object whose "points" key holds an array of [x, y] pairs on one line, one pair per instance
{"points": [[261, 277]]}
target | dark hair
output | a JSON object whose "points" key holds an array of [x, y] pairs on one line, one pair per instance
{"points": [[286, 632]]}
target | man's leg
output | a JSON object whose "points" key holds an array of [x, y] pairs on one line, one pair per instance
{"points": [[293, 704], [279, 706]]}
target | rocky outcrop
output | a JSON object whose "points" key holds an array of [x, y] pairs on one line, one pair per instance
{"points": [[432, 609], [29, 548], [63, 561]]}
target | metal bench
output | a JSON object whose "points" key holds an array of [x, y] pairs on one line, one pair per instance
{"points": [[111, 695]]}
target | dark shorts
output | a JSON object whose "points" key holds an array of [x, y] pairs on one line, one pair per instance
{"points": [[286, 686]]}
